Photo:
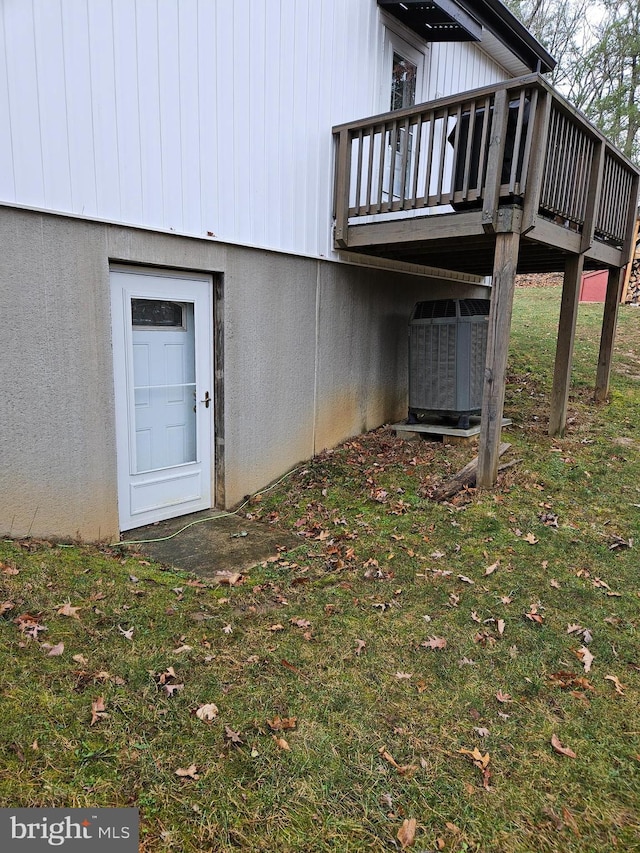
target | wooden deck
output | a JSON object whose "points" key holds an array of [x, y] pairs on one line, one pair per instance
{"points": [[504, 179], [435, 183]]}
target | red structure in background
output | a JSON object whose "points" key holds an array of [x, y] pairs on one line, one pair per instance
{"points": [[593, 287]]}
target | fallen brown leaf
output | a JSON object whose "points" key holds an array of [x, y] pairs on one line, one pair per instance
{"points": [[565, 678], [407, 833], [207, 713], [503, 697], [585, 656], [279, 724], [227, 577], [281, 743], [29, 625], [477, 757], [232, 737], [189, 772], [68, 610], [533, 615], [103, 675], [300, 623], [166, 675], [484, 638], [403, 769], [360, 647], [614, 678], [619, 542], [436, 643], [559, 748], [98, 710]]}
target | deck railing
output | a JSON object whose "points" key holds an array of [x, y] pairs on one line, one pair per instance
{"points": [[517, 141]]}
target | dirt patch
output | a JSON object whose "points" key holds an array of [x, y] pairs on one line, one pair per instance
{"points": [[624, 441], [543, 279], [205, 543]]}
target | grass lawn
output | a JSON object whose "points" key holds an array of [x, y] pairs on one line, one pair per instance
{"points": [[409, 661]]}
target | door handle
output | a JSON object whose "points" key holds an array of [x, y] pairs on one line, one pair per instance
{"points": [[207, 399]]}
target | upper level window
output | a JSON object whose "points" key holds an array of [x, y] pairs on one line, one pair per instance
{"points": [[403, 82], [404, 77]]}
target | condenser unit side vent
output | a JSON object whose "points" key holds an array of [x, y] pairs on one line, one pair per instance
{"points": [[447, 350]]}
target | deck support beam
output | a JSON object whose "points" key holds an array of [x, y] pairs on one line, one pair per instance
{"points": [[609, 320], [504, 277], [564, 347]]}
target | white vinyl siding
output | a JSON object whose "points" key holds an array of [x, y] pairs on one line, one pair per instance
{"points": [[199, 116], [459, 66]]}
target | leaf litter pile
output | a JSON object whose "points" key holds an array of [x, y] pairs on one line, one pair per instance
{"points": [[415, 675]]}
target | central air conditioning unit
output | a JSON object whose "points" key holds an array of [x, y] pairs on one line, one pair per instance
{"points": [[447, 350]]}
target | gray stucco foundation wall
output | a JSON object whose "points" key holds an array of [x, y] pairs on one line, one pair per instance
{"points": [[57, 448], [363, 346], [314, 352]]}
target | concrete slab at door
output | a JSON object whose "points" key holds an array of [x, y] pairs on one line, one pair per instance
{"points": [[162, 357]]}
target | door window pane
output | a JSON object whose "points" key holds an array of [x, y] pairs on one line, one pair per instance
{"points": [[157, 312], [164, 384]]}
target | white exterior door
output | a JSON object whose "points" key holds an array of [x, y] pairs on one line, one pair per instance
{"points": [[404, 85], [162, 357]]}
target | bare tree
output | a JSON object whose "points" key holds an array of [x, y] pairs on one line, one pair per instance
{"points": [[598, 63], [562, 27], [611, 76]]}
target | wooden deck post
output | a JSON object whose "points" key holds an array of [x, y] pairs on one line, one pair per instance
{"points": [[609, 321], [564, 347], [341, 190], [494, 163], [504, 277]]}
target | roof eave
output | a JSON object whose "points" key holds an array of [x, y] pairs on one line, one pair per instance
{"points": [[471, 20], [504, 24]]}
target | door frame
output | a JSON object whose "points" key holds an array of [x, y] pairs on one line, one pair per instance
{"points": [[399, 39], [122, 365]]}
